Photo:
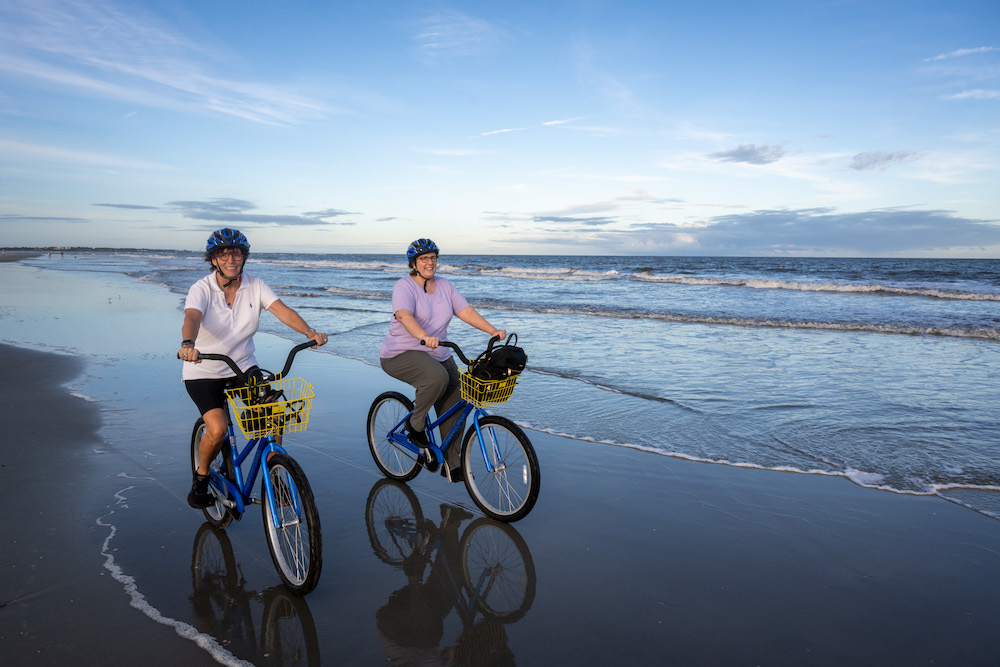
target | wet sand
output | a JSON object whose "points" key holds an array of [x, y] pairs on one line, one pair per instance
{"points": [[17, 255], [628, 557]]}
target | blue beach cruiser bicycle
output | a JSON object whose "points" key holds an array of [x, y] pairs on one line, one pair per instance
{"points": [[499, 465], [266, 407]]}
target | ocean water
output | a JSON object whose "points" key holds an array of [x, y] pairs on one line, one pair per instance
{"points": [[883, 371]]}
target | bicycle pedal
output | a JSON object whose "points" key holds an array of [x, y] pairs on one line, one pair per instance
{"points": [[429, 460]]}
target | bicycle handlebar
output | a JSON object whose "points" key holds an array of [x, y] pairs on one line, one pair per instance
{"points": [[241, 377], [458, 350]]}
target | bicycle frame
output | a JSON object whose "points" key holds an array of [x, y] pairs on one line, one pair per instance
{"points": [[240, 491], [398, 436]]}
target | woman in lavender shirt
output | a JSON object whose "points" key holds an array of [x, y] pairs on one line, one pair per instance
{"points": [[422, 308]]}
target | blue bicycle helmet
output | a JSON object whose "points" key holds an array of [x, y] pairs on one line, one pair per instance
{"points": [[227, 238], [421, 247]]}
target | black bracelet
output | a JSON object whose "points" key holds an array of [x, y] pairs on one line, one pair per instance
{"points": [[187, 342]]}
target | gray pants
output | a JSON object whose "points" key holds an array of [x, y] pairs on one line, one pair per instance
{"points": [[437, 385]]}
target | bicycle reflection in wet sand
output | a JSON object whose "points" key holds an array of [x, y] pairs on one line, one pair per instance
{"points": [[484, 573], [225, 609]]}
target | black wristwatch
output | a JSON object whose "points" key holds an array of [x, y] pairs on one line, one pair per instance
{"points": [[185, 343]]}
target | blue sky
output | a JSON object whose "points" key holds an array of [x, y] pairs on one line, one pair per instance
{"points": [[840, 128]]}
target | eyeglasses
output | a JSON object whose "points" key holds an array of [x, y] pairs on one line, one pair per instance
{"points": [[428, 259], [232, 252]]}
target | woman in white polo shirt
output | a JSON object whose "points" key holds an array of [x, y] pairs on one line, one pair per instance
{"points": [[221, 315]]}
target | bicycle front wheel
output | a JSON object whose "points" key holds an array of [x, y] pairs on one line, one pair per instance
{"points": [[288, 632], [498, 570], [217, 514], [504, 479], [387, 411], [293, 533]]}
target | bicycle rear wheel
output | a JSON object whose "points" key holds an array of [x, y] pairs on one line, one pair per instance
{"points": [[509, 491], [386, 412], [293, 535], [394, 521], [217, 514]]}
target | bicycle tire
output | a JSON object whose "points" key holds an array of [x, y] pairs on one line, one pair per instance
{"points": [[388, 410], [288, 631], [393, 519], [218, 592], [296, 542], [510, 491], [213, 565], [216, 514], [498, 553]]}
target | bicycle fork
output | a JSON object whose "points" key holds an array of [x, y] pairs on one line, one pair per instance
{"points": [[494, 461]]}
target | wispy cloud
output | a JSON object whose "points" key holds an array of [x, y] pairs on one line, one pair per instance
{"points": [[503, 131], [593, 221], [56, 154], [973, 72], [751, 154], [960, 53], [137, 207], [99, 49], [633, 198], [451, 152], [31, 219], [881, 160], [453, 34], [975, 94], [602, 81], [237, 211]]}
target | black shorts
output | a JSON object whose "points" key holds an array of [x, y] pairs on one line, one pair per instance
{"points": [[207, 394]]}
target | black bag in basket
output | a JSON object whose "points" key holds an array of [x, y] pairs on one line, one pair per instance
{"points": [[499, 362]]}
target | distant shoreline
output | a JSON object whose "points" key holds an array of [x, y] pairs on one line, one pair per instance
{"points": [[18, 255]]}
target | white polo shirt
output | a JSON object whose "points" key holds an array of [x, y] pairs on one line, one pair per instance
{"points": [[226, 330]]}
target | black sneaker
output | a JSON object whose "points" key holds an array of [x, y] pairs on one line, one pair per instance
{"points": [[419, 438], [452, 474], [200, 497]]}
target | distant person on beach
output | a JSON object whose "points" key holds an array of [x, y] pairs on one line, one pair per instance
{"points": [[422, 307], [221, 315]]}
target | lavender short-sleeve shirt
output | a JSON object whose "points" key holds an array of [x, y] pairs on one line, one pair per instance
{"points": [[432, 311]]}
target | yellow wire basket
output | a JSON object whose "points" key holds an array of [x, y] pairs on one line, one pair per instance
{"points": [[289, 411], [487, 392]]}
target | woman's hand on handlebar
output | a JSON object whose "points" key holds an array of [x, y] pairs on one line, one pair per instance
{"points": [[318, 336], [499, 333], [189, 354], [430, 341]]}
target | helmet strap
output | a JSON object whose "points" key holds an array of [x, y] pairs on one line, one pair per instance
{"points": [[229, 280], [425, 280]]}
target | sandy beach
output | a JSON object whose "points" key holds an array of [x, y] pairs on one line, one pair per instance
{"points": [[630, 557]]}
